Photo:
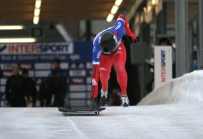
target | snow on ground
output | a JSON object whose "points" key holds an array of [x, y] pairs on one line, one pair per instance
{"points": [[186, 90], [173, 111]]}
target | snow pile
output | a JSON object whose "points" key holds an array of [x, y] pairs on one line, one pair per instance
{"points": [[185, 90]]}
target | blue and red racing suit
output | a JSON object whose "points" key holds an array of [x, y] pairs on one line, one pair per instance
{"points": [[102, 62]]}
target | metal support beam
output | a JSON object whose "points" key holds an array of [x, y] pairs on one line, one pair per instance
{"points": [[88, 30], [61, 29], [72, 27], [181, 24], [201, 33], [161, 21], [190, 30], [145, 33], [133, 9]]}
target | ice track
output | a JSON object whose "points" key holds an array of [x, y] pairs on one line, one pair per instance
{"points": [[173, 111]]}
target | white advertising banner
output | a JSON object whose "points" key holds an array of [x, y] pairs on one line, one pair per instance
{"points": [[162, 64]]}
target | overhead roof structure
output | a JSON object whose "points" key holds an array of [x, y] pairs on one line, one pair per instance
{"points": [[14, 11]]}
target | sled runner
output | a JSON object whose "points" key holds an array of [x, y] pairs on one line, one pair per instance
{"points": [[68, 110]]}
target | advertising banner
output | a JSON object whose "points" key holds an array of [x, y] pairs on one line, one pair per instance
{"points": [[162, 64], [75, 60]]}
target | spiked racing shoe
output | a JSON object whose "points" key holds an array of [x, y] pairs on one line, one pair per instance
{"points": [[103, 99], [125, 101], [95, 103]]}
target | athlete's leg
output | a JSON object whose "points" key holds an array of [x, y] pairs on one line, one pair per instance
{"points": [[119, 64], [105, 69]]}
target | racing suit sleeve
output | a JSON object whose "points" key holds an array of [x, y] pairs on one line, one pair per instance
{"points": [[96, 55], [127, 27]]}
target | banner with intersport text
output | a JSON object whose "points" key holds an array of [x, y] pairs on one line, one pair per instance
{"points": [[75, 57], [162, 65]]}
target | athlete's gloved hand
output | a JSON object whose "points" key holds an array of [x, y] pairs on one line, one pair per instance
{"points": [[124, 19], [122, 16], [133, 40]]}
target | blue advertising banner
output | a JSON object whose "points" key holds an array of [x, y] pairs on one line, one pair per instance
{"points": [[75, 58]]}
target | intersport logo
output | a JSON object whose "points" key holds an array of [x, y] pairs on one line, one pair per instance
{"points": [[59, 48], [2, 48], [163, 66]]}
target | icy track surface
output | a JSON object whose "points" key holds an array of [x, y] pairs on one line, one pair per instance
{"points": [[173, 111]]}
